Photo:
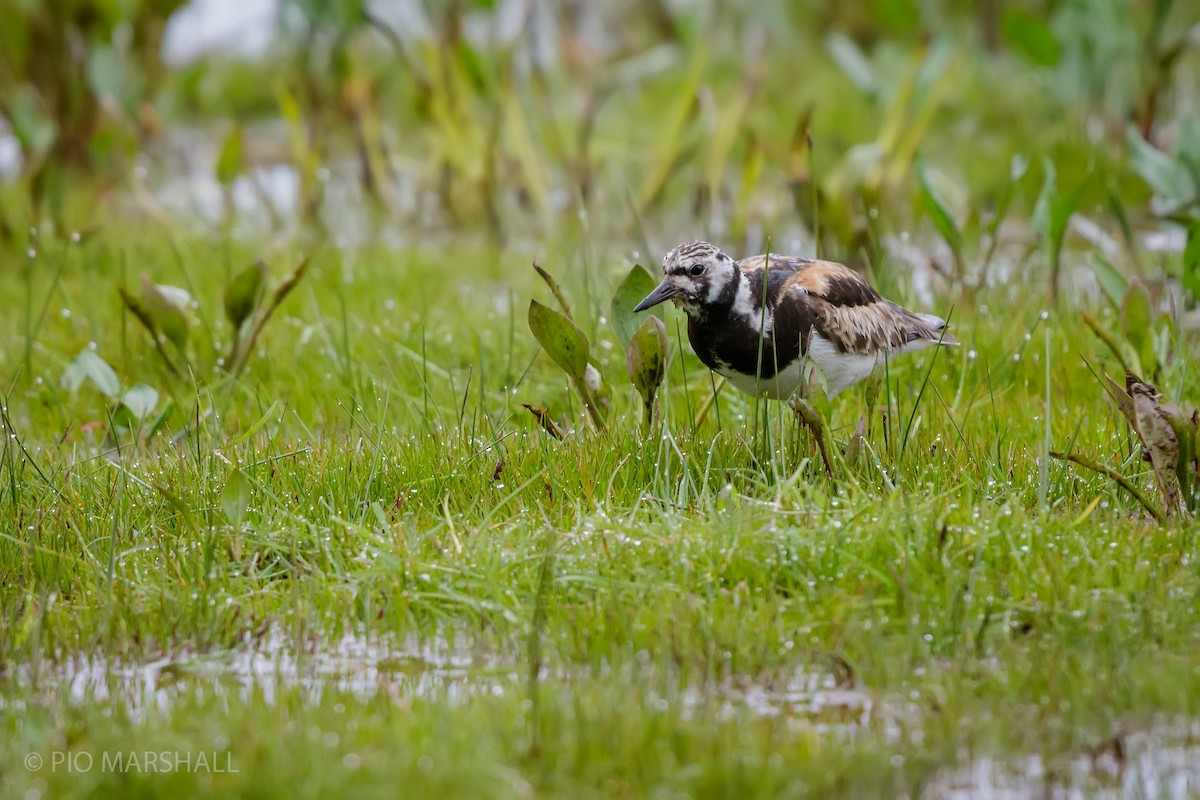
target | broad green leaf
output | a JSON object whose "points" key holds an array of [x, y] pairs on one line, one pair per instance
{"points": [[1061, 209], [235, 497], [123, 417], [244, 345], [229, 162], [165, 312], [1110, 279], [1135, 307], [91, 367], [1030, 35], [244, 293], [1122, 400], [136, 405], [568, 347], [646, 360], [562, 340], [1164, 174], [637, 284], [947, 228], [138, 310], [177, 295]]}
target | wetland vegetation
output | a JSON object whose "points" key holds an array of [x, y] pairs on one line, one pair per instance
{"points": [[287, 478]]}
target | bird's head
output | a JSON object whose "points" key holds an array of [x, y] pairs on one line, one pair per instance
{"points": [[695, 274]]}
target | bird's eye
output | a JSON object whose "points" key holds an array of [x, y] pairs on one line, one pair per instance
{"points": [[697, 270]]}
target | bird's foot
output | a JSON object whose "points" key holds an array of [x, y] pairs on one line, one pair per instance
{"points": [[812, 420]]}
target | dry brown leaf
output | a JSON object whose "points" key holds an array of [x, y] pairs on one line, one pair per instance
{"points": [[1157, 434]]}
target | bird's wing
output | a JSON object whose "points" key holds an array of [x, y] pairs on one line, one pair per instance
{"points": [[848, 311]]}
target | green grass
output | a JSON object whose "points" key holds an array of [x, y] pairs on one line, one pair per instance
{"points": [[619, 595], [361, 568]]}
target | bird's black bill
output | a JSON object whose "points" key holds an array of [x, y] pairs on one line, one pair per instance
{"points": [[665, 291]]}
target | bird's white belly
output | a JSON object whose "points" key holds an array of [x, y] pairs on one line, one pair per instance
{"points": [[840, 370], [778, 387]]}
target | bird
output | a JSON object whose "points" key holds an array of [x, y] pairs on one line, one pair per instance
{"points": [[767, 322]]}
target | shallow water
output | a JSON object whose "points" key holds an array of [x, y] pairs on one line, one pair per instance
{"points": [[1162, 762], [434, 667], [364, 667]]}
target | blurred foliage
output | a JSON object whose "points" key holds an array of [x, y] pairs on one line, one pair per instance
{"points": [[76, 77], [507, 118]]}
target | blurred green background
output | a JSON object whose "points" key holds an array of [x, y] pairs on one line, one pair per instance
{"points": [[846, 123]]}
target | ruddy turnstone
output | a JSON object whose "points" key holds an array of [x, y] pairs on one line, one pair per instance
{"points": [[767, 339]]}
